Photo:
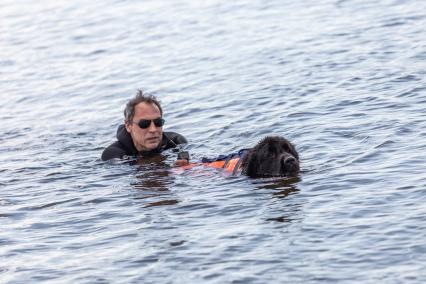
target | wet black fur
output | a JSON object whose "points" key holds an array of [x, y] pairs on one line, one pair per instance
{"points": [[274, 156]]}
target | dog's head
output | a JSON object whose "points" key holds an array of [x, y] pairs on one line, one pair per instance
{"points": [[274, 156]]}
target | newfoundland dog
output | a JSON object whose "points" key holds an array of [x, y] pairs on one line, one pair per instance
{"points": [[273, 156]]}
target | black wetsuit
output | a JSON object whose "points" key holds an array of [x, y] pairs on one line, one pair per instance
{"points": [[125, 147]]}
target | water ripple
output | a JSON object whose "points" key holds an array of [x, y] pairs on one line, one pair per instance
{"points": [[343, 80]]}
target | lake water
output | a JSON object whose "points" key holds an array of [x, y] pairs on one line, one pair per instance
{"points": [[345, 81]]}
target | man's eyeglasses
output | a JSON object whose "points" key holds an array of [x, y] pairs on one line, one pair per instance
{"points": [[145, 123]]}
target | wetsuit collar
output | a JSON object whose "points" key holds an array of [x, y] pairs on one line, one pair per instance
{"points": [[126, 140]]}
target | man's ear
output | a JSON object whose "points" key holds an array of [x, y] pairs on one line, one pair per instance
{"points": [[127, 125]]}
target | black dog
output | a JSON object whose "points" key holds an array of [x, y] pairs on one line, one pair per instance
{"points": [[274, 156], [271, 157]]}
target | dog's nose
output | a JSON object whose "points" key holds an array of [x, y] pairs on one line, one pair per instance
{"points": [[289, 164], [289, 161]]}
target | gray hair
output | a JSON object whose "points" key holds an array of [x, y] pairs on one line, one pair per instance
{"points": [[141, 97]]}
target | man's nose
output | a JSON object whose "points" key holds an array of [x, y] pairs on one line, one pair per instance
{"points": [[152, 127]]}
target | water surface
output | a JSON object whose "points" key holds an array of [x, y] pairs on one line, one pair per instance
{"points": [[343, 80]]}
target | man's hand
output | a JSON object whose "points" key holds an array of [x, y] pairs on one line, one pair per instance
{"points": [[183, 155], [181, 163]]}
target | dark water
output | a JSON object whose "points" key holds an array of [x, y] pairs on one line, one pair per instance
{"points": [[344, 80]]}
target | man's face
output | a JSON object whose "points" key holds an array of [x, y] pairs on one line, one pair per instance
{"points": [[148, 138]]}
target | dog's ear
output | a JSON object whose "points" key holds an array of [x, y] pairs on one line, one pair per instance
{"points": [[293, 150], [249, 164], [287, 146]]}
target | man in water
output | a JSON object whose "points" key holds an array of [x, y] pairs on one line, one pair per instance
{"points": [[142, 133]]}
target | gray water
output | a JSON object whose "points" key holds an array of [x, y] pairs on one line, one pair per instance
{"points": [[343, 80]]}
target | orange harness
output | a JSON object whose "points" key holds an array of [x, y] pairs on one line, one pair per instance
{"points": [[232, 166], [231, 163]]}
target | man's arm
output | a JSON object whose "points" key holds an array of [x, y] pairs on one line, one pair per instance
{"points": [[113, 151]]}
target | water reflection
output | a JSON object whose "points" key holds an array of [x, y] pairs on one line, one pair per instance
{"points": [[153, 173], [282, 187], [153, 180], [285, 211], [281, 219], [162, 202]]}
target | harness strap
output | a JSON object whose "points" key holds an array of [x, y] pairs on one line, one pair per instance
{"points": [[231, 163], [238, 165], [229, 158]]}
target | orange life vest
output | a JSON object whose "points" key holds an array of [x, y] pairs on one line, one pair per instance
{"points": [[231, 163], [232, 166]]}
